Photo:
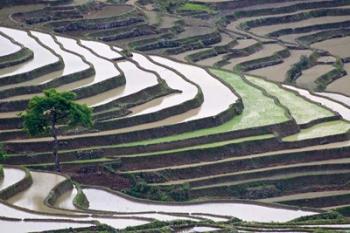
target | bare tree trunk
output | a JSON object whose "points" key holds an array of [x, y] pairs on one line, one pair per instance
{"points": [[55, 142]]}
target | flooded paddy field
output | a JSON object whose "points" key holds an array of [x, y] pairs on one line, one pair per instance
{"points": [[184, 137]]}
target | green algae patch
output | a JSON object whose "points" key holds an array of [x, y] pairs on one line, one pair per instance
{"points": [[195, 7], [302, 111], [259, 110], [320, 130]]}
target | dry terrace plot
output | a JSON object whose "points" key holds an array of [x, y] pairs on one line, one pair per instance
{"points": [[266, 51], [278, 72], [309, 76], [341, 85], [337, 46], [264, 30]]}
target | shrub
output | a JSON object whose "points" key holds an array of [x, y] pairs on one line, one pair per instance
{"points": [[180, 193], [168, 5], [162, 225], [345, 211], [304, 62], [339, 64], [141, 189], [80, 200]]}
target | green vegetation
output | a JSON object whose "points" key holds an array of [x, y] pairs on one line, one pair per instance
{"points": [[257, 63], [168, 5], [44, 113], [195, 7], [126, 53], [162, 227], [80, 200], [259, 110], [23, 55], [324, 80], [323, 35], [345, 211], [304, 63], [141, 189], [242, 157], [320, 130], [301, 110], [211, 52]]}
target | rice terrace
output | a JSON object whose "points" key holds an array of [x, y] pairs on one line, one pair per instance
{"points": [[160, 116]]}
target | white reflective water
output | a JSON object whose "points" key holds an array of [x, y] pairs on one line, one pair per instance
{"points": [[337, 97], [72, 62], [36, 226], [7, 47], [136, 81], [103, 200], [104, 69], [215, 219], [33, 198], [200, 229], [42, 56], [173, 80], [65, 201], [11, 176], [11, 212], [101, 49], [341, 109], [217, 96]]}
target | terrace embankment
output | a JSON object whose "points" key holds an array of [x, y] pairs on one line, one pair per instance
{"points": [[173, 131]]}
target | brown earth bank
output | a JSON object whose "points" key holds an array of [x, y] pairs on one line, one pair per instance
{"points": [[167, 31], [98, 176]]}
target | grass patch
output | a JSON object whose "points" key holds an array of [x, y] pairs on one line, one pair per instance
{"points": [[320, 130], [301, 110], [195, 7], [80, 200], [259, 110]]}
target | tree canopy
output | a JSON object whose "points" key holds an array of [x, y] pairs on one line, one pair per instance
{"points": [[57, 106], [44, 113]]}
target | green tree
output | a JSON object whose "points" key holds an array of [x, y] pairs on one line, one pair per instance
{"points": [[45, 113]]}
